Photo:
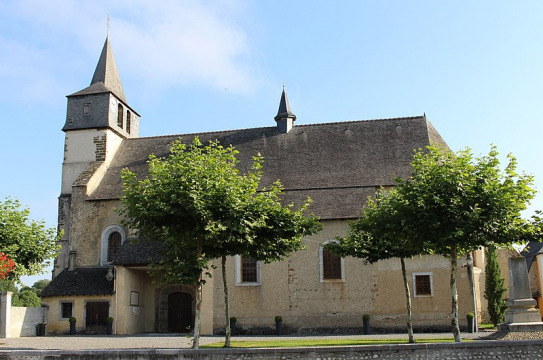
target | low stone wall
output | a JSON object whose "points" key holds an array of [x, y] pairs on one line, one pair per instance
{"points": [[531, 349], [23, 321], [18, 321]]}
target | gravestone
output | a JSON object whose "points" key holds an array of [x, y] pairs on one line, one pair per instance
{"points": [[521, 314]]}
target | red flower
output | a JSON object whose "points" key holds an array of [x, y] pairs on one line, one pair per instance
{"points": [[6, 265]]}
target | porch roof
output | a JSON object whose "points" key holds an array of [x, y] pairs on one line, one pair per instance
{"points": [[78, 282]]}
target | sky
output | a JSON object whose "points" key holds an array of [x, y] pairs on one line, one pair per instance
{"points": [[475, 68]]}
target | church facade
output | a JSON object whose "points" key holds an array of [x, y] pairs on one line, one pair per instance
{"points": [[100, 273]]}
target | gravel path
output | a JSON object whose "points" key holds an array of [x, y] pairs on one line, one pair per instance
{"points": [[169, 341]]}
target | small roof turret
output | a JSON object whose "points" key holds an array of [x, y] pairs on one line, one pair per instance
{"points": [[285, 117], [284, 108]]}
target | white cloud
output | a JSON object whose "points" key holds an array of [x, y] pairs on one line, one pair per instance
{"points": [[184, 42], [164, 44]]}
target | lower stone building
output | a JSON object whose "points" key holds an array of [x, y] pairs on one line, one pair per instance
{"points": [[102, 273]]}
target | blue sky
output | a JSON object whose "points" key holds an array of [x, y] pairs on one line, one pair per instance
{"points": [[474, 68]]}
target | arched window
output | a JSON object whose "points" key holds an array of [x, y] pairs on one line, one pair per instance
{"points": [[112, 239], [113, 245], [331, 265], [128, 118], [120, 114]]}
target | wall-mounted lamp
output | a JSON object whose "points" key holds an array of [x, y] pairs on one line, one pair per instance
{"points": [[110, 273]]}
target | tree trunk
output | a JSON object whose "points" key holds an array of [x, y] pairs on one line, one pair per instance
{"points": [[408, 298], [196, 339], [228, 332], [454, 293]]}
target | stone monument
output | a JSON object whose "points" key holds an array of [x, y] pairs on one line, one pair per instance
{"points": [[521, 314]]}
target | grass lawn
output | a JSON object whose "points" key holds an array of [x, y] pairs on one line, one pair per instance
{"points": [[323, 342], [487, 326]]}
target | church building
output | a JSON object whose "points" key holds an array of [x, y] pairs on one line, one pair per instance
{"points": [[101, 273]]}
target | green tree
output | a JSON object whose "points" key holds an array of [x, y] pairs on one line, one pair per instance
{"points": [[494, 287], [39, 285], [8, 285], [201, 207], [383, 232], [27, 242], [269, 231], [460, 203], [26, 297]]}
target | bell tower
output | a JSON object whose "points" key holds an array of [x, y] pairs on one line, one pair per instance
{"points": [[98, 118]]}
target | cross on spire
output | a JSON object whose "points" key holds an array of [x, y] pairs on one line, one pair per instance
{"points": [[107, 25]]}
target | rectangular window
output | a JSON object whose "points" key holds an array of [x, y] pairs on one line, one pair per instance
{"points": [[86, 109], [66, 310], [248, 270], [423, 284]]}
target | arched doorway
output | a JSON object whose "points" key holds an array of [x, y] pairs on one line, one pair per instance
{"points": [[180, 318]]}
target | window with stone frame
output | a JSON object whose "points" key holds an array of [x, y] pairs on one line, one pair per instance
{"points": [[66, 309], [246, 271], [86, 109], [113, 245], [249, 270], [423, 284]]}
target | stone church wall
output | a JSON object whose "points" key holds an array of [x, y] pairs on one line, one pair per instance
{"points": [[293, 290]]}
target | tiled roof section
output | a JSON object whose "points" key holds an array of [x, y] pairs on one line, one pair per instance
{"points": [[139, 252], [337, 164], [530, 252], [96, 88], [79, 282]]}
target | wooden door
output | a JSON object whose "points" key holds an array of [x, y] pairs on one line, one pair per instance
{"points": [[180, 319], [96, 316]]}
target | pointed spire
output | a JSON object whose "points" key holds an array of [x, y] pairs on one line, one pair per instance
{"points": [[285, 118], [106, 72], [284, 108]]}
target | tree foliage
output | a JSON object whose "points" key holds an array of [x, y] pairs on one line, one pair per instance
{"points": [[27, 242], [451, 204], [26, 296], [201, 207], [383, 231], [494, 287], [460, 203]]}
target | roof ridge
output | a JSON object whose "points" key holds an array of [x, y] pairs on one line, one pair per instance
{"points": [[273, 127], [367, 120]]}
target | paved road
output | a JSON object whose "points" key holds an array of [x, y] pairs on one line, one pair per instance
{"points": [[169, 341]]}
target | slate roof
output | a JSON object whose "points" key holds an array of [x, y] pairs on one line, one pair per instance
{"points": [[337, 164], [139, 252], [284, 107], [106, 77], [78, 282]]}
